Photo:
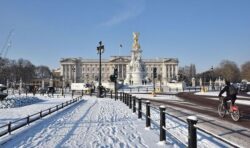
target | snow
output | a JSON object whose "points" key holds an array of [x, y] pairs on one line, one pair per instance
{"points": [[194, 118], [98, 122]]}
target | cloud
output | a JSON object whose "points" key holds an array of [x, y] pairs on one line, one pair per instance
{"points": [[132, 10]]}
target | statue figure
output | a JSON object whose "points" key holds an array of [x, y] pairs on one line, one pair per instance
{"points": [[136, 44]]}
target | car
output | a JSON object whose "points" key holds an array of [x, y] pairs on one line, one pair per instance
{"points": [[51, 89], [245, 87], [43, 90]]}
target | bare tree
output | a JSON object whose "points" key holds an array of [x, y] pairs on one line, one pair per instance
{"points": [[229, 70], [25, 70], [42, 72], [245, 71]]}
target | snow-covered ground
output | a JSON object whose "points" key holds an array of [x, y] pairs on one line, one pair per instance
{"points": [[95, 122]]}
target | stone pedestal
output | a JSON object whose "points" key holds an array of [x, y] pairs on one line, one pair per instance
{"points": [[137, 78]]}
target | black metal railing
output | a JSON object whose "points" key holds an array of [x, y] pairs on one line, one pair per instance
{"points": [[191, 121]]}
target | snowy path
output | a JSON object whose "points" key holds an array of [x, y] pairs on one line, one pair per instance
{"points": [[90, 123]]}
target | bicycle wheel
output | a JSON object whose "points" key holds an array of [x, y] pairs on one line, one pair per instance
{"points": [[235, 115], [221, 110]]}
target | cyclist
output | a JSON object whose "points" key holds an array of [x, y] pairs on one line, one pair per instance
{"points": [[231, 93]]}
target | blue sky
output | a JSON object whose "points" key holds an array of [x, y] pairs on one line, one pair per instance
{"points": [[202, 32]]}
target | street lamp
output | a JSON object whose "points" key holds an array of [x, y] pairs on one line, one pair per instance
{"points": [[100, 50], [73, 70], [212, 77]]}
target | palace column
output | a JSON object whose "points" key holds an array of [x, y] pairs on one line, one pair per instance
{"points": [[172, 71], [176, 72], [70, 71], [164, 73], [168, 70]]}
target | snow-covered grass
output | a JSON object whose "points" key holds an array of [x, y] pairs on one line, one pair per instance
{"points": [[12, 102]]}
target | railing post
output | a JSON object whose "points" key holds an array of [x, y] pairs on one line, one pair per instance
{"points": [[139, 108], [120, 96], [162, 123], [9, 127], [116, 95], [130, 101], [148, 114], [127, 99], [192, 136], [111, 94], [123, 97], [28, 119], [105, 93], [134, 103]]}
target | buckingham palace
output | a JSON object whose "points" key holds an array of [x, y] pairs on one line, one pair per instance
{"points": [[77, 70]]}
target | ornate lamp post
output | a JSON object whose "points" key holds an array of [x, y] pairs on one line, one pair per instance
{"points": [[100, 50], [73, 71], [212, 77]]}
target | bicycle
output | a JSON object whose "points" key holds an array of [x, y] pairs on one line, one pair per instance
{"points": [[234, 111]]}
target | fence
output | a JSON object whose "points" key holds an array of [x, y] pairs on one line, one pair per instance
{"points": [[191, 121], [174, 90], [12, 126]]}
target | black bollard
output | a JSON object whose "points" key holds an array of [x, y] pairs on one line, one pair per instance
{"points": [[123, 97], [9, 127], [134, 103], [148, 114], [130, 101], [192, 136], [162, 123], [126, 100], [28, 119], [139, 108]]}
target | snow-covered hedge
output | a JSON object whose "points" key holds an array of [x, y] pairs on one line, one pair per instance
{"points": [[12, 102]]}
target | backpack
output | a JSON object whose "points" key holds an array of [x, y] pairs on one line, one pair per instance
{"points": [[232, 90]]}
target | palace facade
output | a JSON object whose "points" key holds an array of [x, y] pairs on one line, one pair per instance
{"points": [[77, 70]]}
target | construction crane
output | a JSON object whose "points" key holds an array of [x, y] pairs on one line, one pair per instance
{"points": [[6, 45]]}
